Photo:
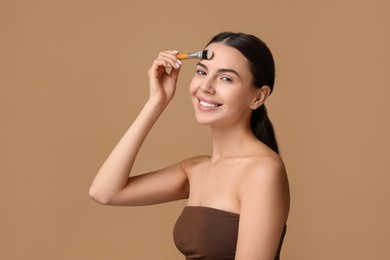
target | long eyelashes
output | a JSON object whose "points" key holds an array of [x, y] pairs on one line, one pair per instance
{"points": [[226, 79], [223, 78], [200, 72]]}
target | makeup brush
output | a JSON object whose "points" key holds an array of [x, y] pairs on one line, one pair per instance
{"points": [[206, 54]]}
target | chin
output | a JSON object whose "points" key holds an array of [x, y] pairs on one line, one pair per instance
{"points": [[202, 121], [206, 119]]}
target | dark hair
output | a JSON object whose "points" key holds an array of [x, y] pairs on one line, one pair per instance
{"points": [[262, 66]]}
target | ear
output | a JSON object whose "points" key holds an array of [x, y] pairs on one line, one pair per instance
{"points": [[261, 96]]}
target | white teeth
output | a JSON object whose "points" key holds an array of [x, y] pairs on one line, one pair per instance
{"points": [[205, 104]]}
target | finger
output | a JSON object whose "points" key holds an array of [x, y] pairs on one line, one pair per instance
{"points": [[165, 61], [175, 73], [171, 57], [159, 67], [173, 52]]}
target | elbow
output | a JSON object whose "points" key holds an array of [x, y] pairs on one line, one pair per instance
{"points": [[98, 197]]}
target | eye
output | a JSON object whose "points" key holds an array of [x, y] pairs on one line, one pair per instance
{"points": [[201, 72], [226, 79]]}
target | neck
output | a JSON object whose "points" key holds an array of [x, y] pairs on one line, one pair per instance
{"points": [[231, 142]]}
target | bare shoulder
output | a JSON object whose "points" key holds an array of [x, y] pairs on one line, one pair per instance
{"points": [[265, 176], [268, 167]]}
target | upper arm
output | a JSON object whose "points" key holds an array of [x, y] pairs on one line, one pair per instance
{"points": [[264, 207], [167, 184]]}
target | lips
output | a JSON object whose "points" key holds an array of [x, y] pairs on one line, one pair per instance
{"points": [[207, 104]]}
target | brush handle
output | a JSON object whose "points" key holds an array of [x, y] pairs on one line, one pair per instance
{"points": [[193, 55], [182, 56]]}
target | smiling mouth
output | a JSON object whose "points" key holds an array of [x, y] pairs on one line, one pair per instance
{"points": [[207, 104]]}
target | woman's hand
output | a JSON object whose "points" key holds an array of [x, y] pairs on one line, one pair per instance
{"points": [[163, 75]]}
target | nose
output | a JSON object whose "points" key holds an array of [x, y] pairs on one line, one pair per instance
{"points": [[207, 87]]}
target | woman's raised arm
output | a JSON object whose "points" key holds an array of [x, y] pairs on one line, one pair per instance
{"points": [[112, 185]]}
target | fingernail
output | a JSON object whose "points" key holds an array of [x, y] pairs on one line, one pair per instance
{"points": [[179, 61]]}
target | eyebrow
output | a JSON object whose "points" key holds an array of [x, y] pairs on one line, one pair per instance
{"points": [[220, 70]]}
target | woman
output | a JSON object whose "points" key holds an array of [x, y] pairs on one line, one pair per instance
{"points": [[238, 197]]}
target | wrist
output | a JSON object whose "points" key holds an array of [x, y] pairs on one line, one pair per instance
{"points": [[156, 104]]}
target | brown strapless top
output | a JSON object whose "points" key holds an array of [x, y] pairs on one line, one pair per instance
{"points": [[209, 233]]}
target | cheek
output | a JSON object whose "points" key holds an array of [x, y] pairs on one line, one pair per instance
{"points": [[193, 86]]}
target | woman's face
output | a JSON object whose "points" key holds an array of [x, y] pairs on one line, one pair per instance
{"points": [[222, 88]]}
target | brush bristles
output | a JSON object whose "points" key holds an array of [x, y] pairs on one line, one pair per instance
{"points": [[207, 54]]}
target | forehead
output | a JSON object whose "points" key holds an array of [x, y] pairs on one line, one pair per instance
{"points": [[227, 57]]}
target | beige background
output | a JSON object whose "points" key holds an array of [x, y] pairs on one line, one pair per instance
{"points": [[73, 77]]}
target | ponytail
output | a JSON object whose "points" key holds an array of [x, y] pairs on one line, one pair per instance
{"points": [[263, 129]]}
